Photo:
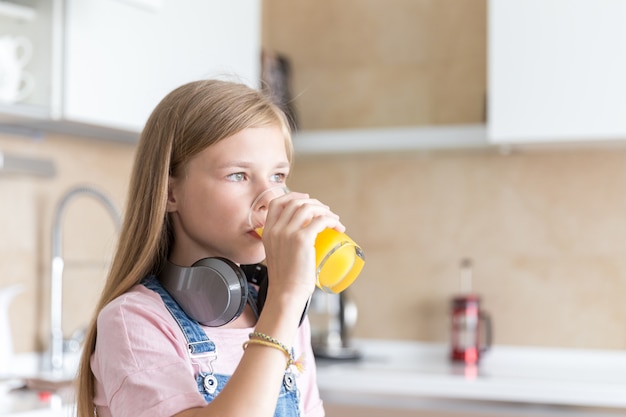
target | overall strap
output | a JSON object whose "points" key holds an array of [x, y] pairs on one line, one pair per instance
{"points": [[198, 344]]}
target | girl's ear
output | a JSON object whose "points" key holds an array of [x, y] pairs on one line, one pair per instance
{"points": [[171, 195]]}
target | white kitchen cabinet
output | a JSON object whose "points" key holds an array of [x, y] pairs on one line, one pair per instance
{"points": [[556, 70], [102, 65]]}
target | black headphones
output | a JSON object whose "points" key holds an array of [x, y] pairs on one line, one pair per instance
{"points": [[214, 291]]}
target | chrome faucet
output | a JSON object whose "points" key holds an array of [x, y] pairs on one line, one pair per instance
{"points": [[57, 341]]}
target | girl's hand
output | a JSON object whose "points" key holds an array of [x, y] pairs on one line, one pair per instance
{"points": [[292, 224]]}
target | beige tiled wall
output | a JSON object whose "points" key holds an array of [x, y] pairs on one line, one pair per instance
{"points": [[546, 229], [26, 217]]}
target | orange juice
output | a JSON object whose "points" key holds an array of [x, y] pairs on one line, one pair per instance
{"points": [[339, 260]]}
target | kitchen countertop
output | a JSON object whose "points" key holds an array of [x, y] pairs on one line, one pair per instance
{"points": [[35, 404], [32, 393], [411, 374], [415, 375]]}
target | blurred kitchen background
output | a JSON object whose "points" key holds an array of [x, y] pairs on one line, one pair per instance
{"points": [[545, 226]]}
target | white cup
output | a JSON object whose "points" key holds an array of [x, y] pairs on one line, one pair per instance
{"points": [[15, 83]]}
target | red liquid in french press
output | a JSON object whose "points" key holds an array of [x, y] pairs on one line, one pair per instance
{"points": [[470, 326]]}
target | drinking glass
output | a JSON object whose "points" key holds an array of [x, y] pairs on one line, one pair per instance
{"points": [[339, 260]]}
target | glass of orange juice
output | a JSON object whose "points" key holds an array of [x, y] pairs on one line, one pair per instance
{"points": [[339, 260]]}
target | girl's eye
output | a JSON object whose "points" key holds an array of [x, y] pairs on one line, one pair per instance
{"points": [[237, 176], [279, 177]]}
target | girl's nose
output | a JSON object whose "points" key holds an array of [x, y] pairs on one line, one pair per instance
{"points": [[258, 210]]}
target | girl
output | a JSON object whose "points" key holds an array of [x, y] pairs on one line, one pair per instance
{"points": [[208, 149]]}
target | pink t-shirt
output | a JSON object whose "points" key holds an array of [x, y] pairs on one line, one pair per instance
{"points": [[142, 366]]}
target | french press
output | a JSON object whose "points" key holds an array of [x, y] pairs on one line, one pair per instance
{"points": [[471, 332]]}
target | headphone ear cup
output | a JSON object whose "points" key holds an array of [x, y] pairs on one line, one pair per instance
{"points": [[213, 291]]}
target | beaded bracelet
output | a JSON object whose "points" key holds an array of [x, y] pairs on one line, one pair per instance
{"points": [[265, 340], [263, 336]]}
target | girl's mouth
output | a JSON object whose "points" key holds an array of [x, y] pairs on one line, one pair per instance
{"points": [[254, 234]]}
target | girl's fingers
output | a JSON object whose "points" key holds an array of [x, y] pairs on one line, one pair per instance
{"points": [[299, 211], [292, 225]]}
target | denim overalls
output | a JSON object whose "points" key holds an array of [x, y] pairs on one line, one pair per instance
{"points": [[200, 347]]}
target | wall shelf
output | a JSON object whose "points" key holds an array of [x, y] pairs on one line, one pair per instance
{"points": [[16, 11], [391, 139], [23, 165]]}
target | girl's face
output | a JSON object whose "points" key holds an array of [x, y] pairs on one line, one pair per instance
{"points": [[210, 201]]}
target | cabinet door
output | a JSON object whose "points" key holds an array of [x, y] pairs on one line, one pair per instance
{"points": [[122, 56], [556, 70]]}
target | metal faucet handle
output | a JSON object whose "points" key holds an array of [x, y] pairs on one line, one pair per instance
{"points": [[74, 343]]}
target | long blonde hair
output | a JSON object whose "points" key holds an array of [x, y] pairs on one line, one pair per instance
{"points": [[185, 122]]}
